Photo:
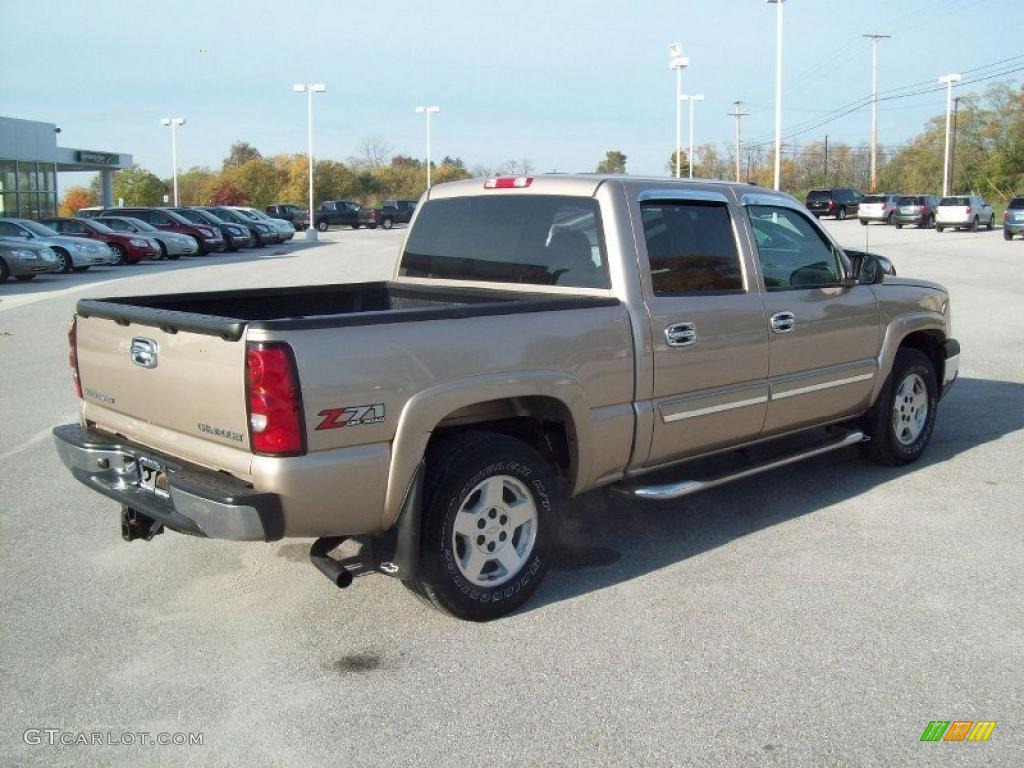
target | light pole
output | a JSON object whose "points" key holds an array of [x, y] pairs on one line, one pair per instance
{"points": [[689, 154], [874, 106], [778, 91], [428, 111], [174, 122], [678, 62], [309, 91], [948, 81], [737, 114]]}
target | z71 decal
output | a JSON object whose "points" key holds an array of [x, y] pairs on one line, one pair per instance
{"points": [[353, 416]]}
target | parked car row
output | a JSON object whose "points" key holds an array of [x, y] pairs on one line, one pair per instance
{"points": [[117, 236], [923, 211], [348, 213]]}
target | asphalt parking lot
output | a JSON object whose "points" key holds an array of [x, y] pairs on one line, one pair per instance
{"points": [[819, 615]]}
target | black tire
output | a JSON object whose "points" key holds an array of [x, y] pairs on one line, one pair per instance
{"points": [[355, 226], [388, 223], [371, 226], [119, 251], [885, 447], [173, 257], [891, 219], [322, 225], [64, 262], [991, 222], [899, 226], [4, 271], [23, 278], [455, 467], [1007, 234], [163, 251], [864, 222], [841, 216], [939, 227], [974, 224]]}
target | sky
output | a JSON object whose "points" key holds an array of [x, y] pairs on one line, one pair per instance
{"points": [[557, 83]]}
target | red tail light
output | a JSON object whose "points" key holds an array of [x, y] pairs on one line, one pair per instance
{"points": [[968, 210], [508, 182], [275, 400], [73, 355], [831, 205], [922, 209], [1006, 215]]}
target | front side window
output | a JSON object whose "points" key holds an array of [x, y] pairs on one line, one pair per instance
{"points": [[792, 252], [531, 239], [691, 248]]}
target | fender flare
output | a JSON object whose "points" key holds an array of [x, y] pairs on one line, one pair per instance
{"points": [[897, 330], [425, 410]]}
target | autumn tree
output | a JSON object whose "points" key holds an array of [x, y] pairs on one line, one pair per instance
{"points": [[77, 198], [228, 193], [614, 162], [241, 152], [137, 186]]}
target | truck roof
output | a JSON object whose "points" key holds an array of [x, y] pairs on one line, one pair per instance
{"points": [[586, 185]]}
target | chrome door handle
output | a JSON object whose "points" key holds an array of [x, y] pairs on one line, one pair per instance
{"points": [[783, 322], [681, 334]]}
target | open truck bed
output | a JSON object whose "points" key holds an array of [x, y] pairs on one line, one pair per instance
{"points": [[227, 313]]}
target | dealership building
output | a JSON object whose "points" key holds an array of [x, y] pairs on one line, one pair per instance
{"points": [[30, 161]]}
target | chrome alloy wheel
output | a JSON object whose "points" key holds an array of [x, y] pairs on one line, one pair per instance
{"points": [[494, 531], [910, 409]]}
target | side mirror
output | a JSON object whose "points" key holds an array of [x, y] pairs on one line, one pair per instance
{"points": [[867, 268]]}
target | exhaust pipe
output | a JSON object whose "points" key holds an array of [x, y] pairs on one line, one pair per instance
{"points": [[339, 575]]}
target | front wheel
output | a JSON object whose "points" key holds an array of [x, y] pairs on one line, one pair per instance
{"points": [[899, 226], [991, 222], [322, 226], [901, 421], [64, 264], [890, 220], [120, 256], [488, 525]]}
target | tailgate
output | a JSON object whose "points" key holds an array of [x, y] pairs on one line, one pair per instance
{"points": [[179, 392]]}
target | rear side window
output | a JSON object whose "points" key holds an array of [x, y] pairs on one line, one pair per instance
{"points": [[691, 248], [960, 201], [1017, 203], [819, 196], [792, 252], [532, 239]]}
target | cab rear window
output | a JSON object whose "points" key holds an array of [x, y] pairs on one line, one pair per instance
{"points": [[531, 239]]}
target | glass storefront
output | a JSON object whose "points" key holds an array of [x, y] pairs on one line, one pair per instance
{"points": [[28, 190]]}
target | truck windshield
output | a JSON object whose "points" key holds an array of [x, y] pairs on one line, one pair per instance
{"points": [[532, 239]]}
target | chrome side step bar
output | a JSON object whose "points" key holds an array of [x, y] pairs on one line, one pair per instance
{"points": [[686, 487]]}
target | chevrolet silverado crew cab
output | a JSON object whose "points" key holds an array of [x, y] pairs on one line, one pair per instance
{"points": [[540, 337]]}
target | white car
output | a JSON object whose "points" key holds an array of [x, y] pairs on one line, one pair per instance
{"points": [[285, 230], [964, 212], [73, 253]]}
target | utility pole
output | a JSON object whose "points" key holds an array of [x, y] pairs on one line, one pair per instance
{"points": [[948, 80], [678, 62], [737, 114], [826, 159], [874, 106], [952, 151]]}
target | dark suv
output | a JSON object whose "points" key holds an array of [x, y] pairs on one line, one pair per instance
{"points": [[840, 202], [209, 237], [299, 217], [916, 209]]}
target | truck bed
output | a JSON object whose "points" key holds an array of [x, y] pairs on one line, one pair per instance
{"points": [[227, 313]]}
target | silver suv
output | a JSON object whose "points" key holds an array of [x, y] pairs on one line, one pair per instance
{"points": [[880, 208], [964, 212]]}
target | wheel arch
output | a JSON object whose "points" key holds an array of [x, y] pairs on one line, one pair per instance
{"points": [[925, 332], [544, 409]]}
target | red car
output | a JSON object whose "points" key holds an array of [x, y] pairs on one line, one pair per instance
{"points": [[129, 248]]}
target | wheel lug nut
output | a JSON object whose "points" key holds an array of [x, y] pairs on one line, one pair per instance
{"points": [[480, 540], [492, 514], [502, 536], [504, 519], [481, 523], [490, 547]]}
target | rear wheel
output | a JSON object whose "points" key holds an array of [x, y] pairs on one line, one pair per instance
{"points": [[4, 271], [119, 253], [900, 422], [488, 525], [891, 219], [864, 222], [991, 222], [322, 225], [1007, 234], [899, 226], [974, 224], [841, 215], [939, 227]]}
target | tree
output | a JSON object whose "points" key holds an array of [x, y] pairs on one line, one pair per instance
{"points": [[76, 198], [670, 166], [137, 186], [374, 151], [404, 161], [241, 153], [196, 185], [258, 178], [454, 162], [614, 162], [228, 193]]}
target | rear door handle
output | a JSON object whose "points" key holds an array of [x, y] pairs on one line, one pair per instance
{"points": [[783, 322], [681, 334]]}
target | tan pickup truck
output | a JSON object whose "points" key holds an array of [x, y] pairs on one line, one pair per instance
{"points": [[541, 337]]}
